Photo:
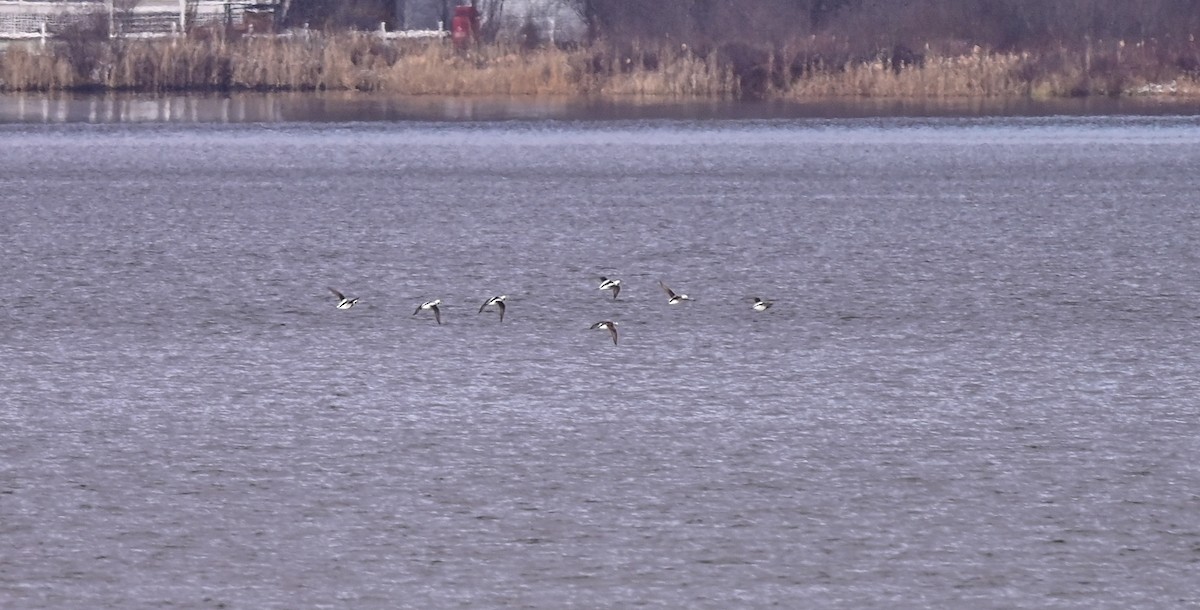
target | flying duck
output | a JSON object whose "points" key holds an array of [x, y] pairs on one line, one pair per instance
{"points": [[343, 302], [498, 302], [672, 298], [437, 314], [613, 285], [610, 326]]}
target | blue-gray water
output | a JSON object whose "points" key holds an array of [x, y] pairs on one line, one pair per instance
{"points": [[978, 386]]}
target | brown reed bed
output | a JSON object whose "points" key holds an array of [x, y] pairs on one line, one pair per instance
{"points": [[1094, 69], [974, 75], [352, 61], [364, 62]]}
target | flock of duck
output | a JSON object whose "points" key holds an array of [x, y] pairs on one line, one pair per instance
{"points": [[611, 285]]}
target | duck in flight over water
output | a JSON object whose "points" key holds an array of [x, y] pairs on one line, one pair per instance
{"points": [[343, 302], [613, 285], [437, 314], [608, 325], [498, 301], [672, 298]]}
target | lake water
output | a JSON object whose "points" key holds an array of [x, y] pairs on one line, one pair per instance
{"points": [[977, 386]]}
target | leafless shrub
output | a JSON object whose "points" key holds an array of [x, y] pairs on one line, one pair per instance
{"points": [[491, 18], [529, 35], [81, 44]]}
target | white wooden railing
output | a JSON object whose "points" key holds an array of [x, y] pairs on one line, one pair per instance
{"points": [[139, 18]]}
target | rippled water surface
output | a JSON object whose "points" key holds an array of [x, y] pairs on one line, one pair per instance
{"points": [[977, 388]]}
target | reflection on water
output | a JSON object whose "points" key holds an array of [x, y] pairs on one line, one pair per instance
{"points": [[342, 106], [131, 109], [115, 108]]}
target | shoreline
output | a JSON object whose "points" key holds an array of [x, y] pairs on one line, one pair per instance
{"points": [[365, 63], [343, 107]]}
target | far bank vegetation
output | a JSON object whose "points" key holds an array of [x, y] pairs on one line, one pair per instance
{"points": [[749, 49]]}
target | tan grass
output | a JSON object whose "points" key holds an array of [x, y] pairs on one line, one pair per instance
{"points": [[974, 75], [359, 61], [677, 74], [364, 62], [24, 68], [493, 70]]}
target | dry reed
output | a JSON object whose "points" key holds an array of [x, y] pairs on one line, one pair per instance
{"points": [[657, 72], [364, 62], [973, 75], [351, 61]]}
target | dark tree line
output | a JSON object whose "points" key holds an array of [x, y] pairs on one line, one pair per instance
{"points": [[769, 43], [1001, 24], [354, 14]]}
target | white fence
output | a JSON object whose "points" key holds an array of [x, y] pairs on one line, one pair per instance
{"points": [[134, 18]]}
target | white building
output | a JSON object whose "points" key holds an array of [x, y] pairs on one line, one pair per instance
{"points": [[555, 21], [34, 18]]}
